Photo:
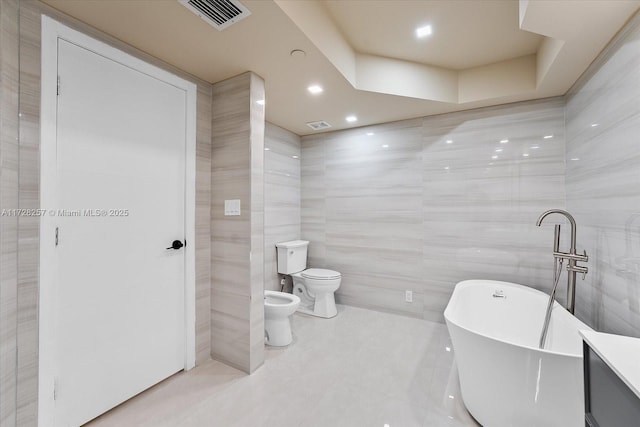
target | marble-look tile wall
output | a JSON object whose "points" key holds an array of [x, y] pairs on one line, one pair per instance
{"points": [[281, 196], [29, 227], [9, 187], [603, 184], [256, 252], [422, 204], [483, 192], [237, 243], [28, 169], [203, 223]]}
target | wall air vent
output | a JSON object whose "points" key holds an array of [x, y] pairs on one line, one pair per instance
{"points": [[220, 14], [319, 125]]}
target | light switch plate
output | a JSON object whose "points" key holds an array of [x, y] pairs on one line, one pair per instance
{"points": [[232, 207]]}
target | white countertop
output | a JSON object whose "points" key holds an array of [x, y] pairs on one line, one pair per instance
{"points": [[621, 353]]}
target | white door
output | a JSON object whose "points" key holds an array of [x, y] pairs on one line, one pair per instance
{"points": [[120, 308]]}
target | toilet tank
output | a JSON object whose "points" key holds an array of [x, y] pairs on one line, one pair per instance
{"points": [[292, 256]]}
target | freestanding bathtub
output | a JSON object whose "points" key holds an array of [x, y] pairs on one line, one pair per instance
{"points": [[505, 379]]}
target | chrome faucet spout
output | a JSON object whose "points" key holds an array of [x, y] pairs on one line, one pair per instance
{"points": [[572, 221]]}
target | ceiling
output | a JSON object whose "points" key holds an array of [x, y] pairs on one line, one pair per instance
{"points": [[482, 32], [365, 54]]}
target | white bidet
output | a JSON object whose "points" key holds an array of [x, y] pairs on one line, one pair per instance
{"points": [[278, 306]]}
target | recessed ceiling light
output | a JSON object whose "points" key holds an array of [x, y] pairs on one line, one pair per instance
{"points": [[385, 146], [494, 157], [504, 141], [525, 155], [267, 149], [548, 136], [315, 89], [260, 102], [423, 32], [593, 125], [498, 150], [535, 147], [294, 157], [370, 133], [351, 119], [446, 168], [575, 159], [449, 141]]}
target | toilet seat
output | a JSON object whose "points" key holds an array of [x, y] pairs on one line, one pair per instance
{"points": [[277, 299], [320, 274]]}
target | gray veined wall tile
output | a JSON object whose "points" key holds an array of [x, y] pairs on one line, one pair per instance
{"points": [[256, 255], [282, 214], [237, 243], [603, 172], [488, 174], [29, 231], [403, 209], [203, 224], [9, 199]]}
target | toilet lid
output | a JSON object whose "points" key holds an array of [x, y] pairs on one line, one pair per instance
{"points": [[320, 273]]}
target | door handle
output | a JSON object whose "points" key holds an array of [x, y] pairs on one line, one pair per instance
{"points": [[177, 244]]}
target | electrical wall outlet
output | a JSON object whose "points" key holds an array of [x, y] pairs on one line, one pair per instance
{"points": [[408, 296]]}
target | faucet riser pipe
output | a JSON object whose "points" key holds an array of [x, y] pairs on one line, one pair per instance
{"points": [[556, 248], [571, 287]]}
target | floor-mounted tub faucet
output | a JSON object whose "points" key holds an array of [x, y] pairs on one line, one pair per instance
{"points": [[572, 257]]}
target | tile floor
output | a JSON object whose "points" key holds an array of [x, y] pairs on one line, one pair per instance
{"points": [[361, 368]]}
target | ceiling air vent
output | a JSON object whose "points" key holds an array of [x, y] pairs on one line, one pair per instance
{"points": [[319, 125], [220, 14]]}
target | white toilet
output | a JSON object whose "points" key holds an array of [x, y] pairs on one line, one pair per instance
{"points": [[315, 286], [278, 306]]}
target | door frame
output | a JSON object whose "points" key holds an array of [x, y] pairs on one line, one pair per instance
{"points": [[51, 32]]}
